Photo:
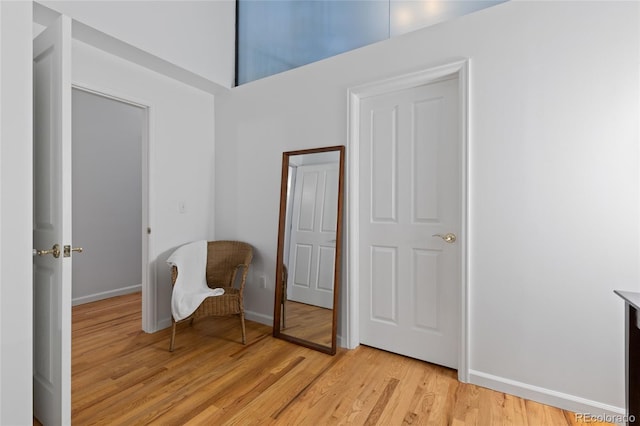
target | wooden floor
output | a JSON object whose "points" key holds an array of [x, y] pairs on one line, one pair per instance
{"points": [[309, 322], [122, 376]]}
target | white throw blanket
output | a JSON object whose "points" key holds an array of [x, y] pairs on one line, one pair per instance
{"points": [[191, 287]]}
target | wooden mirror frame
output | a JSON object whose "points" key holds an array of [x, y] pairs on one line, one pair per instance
{"points": [[277, 311]]}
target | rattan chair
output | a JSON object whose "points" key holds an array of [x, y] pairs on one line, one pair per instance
{"points": [[224, 259]]}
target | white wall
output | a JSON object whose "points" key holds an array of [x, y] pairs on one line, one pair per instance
{"points": [[16, 295], [107, 196], [182, 133], [200, 35], [181, 154], [410, 15], [554, 202], [196, 35]]}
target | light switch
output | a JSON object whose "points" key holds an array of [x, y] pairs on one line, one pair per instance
{"points": [[182, 207]]}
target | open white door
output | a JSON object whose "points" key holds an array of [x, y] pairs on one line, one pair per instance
{"points": [[52, 224]]}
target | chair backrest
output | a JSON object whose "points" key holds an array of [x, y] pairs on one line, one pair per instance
{"points": [[285, 279], [223, 260]]}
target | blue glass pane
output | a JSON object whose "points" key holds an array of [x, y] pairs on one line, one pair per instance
{"points": [[278, 35], [410, 15]]}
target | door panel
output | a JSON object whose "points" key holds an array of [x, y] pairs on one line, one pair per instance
{"points": [[384, 285], [424, 147], [52, 223], [411, 190], [326, 258], [384, 164], [425, 288]]}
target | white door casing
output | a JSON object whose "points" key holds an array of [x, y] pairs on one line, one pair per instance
{"points": [[313, 235], [397, 265], [52, 223], [149, 312]]}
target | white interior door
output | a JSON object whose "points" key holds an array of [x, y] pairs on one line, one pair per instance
{"points": [[313, 235], [410, 174], [52, 223]]}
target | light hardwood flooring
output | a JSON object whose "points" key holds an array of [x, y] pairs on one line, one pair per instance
{"points": [[122, 376], [309, 322]]}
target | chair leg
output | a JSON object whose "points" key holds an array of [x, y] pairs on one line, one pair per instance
{"points": [[244, 337], [284, 315], [173, 334]]}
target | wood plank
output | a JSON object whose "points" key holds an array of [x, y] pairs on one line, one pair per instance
{"points": [[121, 375]]}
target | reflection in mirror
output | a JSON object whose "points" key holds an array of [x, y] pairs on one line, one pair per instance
{"points": [[309, 247]]}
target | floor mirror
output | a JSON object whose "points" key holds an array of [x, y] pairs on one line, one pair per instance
{"points": [[309, 247]]}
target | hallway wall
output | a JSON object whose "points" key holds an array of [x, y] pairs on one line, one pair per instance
{"points": [[107, 196]]}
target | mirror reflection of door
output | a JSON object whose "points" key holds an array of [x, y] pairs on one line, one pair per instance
{"points": [[308, 247], [312, 239]]}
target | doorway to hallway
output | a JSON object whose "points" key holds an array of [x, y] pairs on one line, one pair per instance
{"points": [[107, 193]]}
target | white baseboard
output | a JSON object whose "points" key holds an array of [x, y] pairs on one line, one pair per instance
{"points": [[257, 317], [341, 342], [106, 294], [545, 396], [162, 324]]}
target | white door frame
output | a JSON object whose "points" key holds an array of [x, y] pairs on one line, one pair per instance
{"points": [[149, 311], [355, 95]]}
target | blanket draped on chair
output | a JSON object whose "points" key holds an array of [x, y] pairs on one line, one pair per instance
{"points": [[191, 286]]}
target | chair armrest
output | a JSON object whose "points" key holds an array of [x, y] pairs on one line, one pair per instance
{"points": [[174, 274], [245, 271]]}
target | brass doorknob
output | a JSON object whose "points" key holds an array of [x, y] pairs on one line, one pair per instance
{"points": [[55, 251], [68, 250], [448, 238]]}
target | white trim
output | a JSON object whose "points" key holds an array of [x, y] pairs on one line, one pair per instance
{"points": [[163, 323], [65, 118], [2, 242], [109, 94], [258, 317], [543, 395], [459, 68], [341, 341], [106, 294], [150, 323], [44, 15], [464, 78]]}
